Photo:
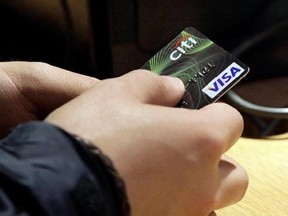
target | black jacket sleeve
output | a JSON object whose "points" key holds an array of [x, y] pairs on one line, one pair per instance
{"points": [[45, 171]]}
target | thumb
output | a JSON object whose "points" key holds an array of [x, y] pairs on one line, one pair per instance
{"points": [[150, 88]]}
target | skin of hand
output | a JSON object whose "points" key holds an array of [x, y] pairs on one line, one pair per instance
{"points": [[171, 159], [31, 90]]}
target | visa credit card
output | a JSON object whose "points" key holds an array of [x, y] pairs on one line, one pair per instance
{"points": [[207, 70]]}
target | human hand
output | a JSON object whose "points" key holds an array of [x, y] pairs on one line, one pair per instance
{"points": [[171, 159], [31, 90]]}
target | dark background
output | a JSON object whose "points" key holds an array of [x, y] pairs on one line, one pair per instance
{"points": [[112, 37], [109, 38]]}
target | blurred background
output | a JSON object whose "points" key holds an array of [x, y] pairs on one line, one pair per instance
{"points": [[109, 38]]}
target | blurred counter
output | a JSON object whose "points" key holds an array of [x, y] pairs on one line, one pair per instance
{"points": [[266, 162]]}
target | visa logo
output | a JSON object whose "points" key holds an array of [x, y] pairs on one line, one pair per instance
{"points": [[223, 80]]}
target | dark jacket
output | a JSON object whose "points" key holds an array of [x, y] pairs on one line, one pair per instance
{"points": [[46, 171]]}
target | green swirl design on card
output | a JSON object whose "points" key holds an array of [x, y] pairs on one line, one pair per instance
{"points": [[185, 66]]}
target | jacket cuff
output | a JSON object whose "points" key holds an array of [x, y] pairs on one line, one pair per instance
{"points": [[55, 174]]}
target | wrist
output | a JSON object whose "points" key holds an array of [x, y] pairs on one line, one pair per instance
{"points": [[116, 182]]}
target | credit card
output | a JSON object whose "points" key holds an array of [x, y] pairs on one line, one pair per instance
{"points": [[206, 69]]}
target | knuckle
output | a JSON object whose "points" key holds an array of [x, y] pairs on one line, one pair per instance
{"points": [[243, 181], [37, 70], [39, 66], [213, 145], [240, 121], [116, 87], [208, 203], [211, 202]]}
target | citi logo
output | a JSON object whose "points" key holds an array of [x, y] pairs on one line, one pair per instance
{"points": [[183, 44], [223, 80]]}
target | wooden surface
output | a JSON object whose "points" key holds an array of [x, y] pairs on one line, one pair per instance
{"points": [[266, 162]]}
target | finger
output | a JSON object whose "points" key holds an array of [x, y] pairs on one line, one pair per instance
{"points": [[212, 214], [225, 125], [44, 85], [151, 88], [234, 182]]}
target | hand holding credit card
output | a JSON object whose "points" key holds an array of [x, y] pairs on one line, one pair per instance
{"points": [[207, 70]]}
